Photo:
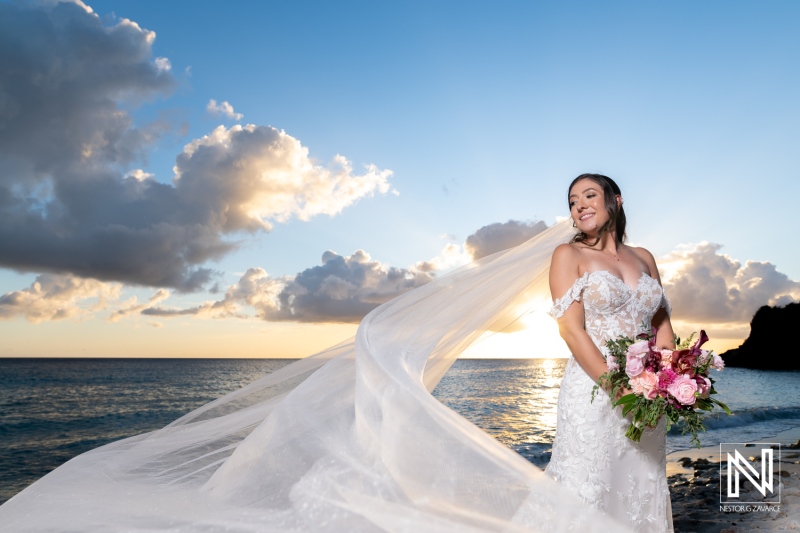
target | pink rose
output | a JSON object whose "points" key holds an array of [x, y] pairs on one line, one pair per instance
{"points": [[683, 389], [718, 363], [645, 384], [633, 365], [638, 349], [613, 366], [666, 358]]}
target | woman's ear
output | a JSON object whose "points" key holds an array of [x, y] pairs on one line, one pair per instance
{"points": [[619, 201]]}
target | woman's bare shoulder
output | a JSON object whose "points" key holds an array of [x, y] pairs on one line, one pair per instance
{"points": [[566, 257], [566, 253]]}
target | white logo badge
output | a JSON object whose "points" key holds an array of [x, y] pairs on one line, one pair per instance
{"points": [[759, 471]]}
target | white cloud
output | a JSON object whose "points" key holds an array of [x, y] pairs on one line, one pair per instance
{"points": [[246, 176], [58, 297], [139, 175], [703, 285], [501, 236], [163, 64], [451, 256], [484, 241], [224, 109], [342, 289], [709, 287], [132, 306], [66, 208]]}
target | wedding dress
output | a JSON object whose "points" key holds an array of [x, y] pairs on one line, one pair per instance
{"points": [[349, 439], [591, 453]]}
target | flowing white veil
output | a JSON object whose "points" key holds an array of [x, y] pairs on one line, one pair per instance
{"points": [[349, 439]]}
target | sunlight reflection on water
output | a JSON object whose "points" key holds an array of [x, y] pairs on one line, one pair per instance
{"points": [[514, 400]]}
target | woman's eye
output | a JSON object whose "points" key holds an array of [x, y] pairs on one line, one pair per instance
{"points": [[571, 205]]}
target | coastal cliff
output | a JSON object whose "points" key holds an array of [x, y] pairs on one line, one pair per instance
{"points": [[771, 344]]}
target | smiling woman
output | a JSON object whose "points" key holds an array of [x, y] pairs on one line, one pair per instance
{"points": [[604, 289]]}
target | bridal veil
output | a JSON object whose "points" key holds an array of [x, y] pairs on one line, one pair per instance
{"points": [[349, 439]]}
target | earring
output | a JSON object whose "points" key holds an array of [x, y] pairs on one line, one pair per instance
{"points": [[574, 225]]}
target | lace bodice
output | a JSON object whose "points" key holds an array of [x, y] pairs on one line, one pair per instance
{"points": [[611, 307]]}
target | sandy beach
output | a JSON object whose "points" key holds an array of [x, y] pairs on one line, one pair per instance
{"points": [[694, 477]]}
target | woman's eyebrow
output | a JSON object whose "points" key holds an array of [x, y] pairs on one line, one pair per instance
{"points": [[584, 192]]}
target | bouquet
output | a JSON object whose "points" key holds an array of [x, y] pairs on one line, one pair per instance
{"points": [[666, 383]]}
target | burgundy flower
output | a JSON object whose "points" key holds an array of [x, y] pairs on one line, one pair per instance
{"points": [[701, 340], [684, 361]]}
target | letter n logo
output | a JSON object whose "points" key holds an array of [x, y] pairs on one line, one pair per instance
{"points": [[738, 467]]}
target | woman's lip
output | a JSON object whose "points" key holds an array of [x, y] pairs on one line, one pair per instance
{"points": [[587, 215]]}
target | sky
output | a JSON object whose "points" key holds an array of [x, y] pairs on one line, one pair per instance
{"points": [[249, 179]]}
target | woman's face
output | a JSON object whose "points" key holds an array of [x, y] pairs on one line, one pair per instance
{"points": [[587, 206]]}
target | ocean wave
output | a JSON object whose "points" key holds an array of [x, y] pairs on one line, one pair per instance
{"points": [[745, 417]]}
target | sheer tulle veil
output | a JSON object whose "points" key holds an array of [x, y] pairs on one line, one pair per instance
{"points": [[349, 439]]}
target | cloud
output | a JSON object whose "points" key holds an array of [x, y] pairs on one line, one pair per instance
{"points": [[132, 306], [485, 241], [703, 285], [346, 288], [451, 256], [501, 236], [709, 287], [58, 297], [342, 289], [239, 179], [225, 109], [62, 73], [255, 289], [68, 206]]}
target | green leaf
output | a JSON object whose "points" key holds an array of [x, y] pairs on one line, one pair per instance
{"points": [[628, 398]]}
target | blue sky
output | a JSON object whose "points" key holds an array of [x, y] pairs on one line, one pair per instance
{"points": [[483, 112]]}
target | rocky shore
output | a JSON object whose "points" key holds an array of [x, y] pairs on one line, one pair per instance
{"points": [[695, 477]]}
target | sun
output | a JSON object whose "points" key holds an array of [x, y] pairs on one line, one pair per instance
{"points": [[533, 335]]}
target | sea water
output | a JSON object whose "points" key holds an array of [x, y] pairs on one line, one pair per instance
{"points": [[54, 409]]}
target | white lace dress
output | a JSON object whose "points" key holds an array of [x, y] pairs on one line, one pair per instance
{"points": [[591, 453]]}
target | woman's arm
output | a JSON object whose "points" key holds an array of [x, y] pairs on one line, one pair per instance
{"points": [[563, 273], [665, 337]]}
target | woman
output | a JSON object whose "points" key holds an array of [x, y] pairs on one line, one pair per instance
{"points": [[602, 289], [349, 439]]}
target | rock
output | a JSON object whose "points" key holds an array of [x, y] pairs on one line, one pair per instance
{"points": [[768, 336]]}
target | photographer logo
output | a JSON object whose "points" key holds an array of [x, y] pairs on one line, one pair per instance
{"points": [[749, 478]]}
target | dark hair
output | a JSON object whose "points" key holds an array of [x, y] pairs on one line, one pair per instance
{"points": [[616, 214]]}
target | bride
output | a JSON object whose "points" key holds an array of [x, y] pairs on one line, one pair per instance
{"points": [[607, 289], [350, 439]]}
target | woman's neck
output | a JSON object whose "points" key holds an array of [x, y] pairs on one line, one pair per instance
{"points": [[607, 243]]}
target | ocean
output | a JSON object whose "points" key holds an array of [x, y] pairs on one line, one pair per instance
{"points": [[54, 409]]}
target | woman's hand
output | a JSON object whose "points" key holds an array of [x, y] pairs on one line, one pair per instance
{"points": [[622, 392]]}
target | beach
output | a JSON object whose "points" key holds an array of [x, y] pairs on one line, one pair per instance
{"points": [[694, 477]]}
